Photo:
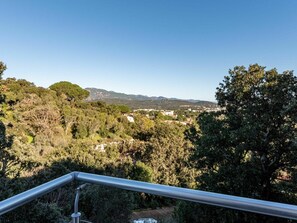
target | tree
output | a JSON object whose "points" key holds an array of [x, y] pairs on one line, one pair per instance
{"points": [[249, 148], [6, 157], [72, 91], [142, 172], [168, 153], [105, 204], [2, 69]]}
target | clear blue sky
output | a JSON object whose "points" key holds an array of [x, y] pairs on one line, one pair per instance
{"points": [[153, 47]]}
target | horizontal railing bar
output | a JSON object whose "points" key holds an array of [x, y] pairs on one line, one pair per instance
{"points": [[216, 199], [29, 195]]}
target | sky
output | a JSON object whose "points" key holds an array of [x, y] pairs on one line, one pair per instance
{"points": [[180, 49]]}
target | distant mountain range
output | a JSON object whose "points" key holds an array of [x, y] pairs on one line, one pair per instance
{"points": [[145, 102]]}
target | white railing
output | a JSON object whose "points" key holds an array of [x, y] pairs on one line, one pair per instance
{"points": [[216, 199]]}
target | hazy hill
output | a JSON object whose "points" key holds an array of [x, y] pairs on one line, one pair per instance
{"points": [[142, 101]]}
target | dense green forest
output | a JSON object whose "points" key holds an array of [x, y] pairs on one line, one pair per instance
{"points": [[46, 133], [248, 148]]}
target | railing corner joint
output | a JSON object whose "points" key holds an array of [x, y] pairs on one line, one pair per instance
{"points": [[74, 175]]}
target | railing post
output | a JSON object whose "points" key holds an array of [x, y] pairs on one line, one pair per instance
{"points": [[76, 215]]}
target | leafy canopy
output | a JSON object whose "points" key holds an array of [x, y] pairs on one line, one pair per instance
{"points": [[249, 148], [72, 91], [2, 69], [256, 131]]}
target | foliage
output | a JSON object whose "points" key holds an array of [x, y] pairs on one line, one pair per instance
{"points": [[142, 172], [6, 157], [2, 69], [246, 149], [44, 136], [48, 212], [103, 204], [168, 155], [249, 148], [72, 91]]}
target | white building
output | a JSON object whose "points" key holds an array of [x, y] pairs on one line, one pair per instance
{"points": [[169, 113], [100, 147], [130, 118]]}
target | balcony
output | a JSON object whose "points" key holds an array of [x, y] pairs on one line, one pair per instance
{"points": [[216, 199]]}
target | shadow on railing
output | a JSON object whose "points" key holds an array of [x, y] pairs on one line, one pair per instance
{"points": [[216, 199]]}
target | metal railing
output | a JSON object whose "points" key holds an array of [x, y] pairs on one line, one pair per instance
{"points": [[216, 199]]}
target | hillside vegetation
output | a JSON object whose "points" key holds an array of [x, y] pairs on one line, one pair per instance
{"points": [[46, 133], [247, 148]]}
